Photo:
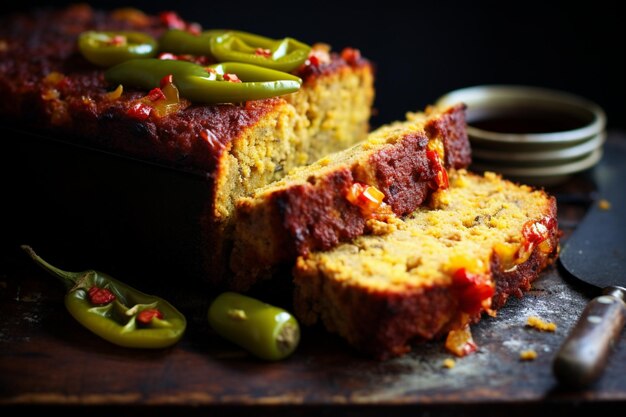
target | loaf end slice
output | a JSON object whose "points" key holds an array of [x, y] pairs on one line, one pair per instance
{"points": [[381, 293]]}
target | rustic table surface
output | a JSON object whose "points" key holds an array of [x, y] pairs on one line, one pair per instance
{"points": [[47, 359]]}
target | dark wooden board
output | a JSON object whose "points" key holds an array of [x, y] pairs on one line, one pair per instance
{"points": [[47, 359]]}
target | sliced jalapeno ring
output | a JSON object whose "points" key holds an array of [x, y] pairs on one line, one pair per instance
{"points": [[110, 48], [281, 54], [266, 331], [202, 85], [179, 41]]}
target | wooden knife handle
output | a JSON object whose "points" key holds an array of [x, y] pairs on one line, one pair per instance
{"points": [[584, 354]]}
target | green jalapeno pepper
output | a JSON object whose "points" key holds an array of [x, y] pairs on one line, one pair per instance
{"points": [[110, 48], [206, 85], [280, 54], [266, 331], [283, 54], [179, 41], [115, 311]]}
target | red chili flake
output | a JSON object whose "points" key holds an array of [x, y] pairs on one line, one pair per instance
{"points": [[351, 55], [155, 94], [231, 78], [139, 111], [473, 290], [167, 55], [263, 52], [146, 316], [441, 176], [172, 20], [168, 79], [100, 296]]}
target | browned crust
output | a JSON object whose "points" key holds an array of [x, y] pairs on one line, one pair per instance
{"points": [[451, 127], [36, 44], [521, 278], [384, 324], [317, 216]]}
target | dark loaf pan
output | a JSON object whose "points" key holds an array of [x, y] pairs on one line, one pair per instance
{"points": [[85, 208]]}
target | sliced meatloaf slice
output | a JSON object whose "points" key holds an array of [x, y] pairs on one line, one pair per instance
{"points": [[445, 264], [336, 198]]}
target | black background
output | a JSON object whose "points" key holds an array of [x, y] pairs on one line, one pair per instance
{"points": [[425, 49]]}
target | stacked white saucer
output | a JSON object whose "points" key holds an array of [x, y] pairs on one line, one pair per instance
{"points": [[532, 135]]}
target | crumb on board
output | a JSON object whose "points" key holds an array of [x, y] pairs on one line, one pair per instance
{"points": [[449, 363], [528, 355], [537, 323], [604, 204]]}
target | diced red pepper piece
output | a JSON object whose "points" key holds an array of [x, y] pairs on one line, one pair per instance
{"points": [[139, 111], [536, 232], [441, 176], [172, 20], [146, 316], [472, 289], [167, 55], [100, 296], [194, 28], [351, 55], [168, 79], [314, 60], [263, 52], [366, 197], [231, 78], [117, 40], [156, 94]]}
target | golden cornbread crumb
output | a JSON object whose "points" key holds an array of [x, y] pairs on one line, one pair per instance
{"points": [[449, 363], [377, 227], [537, 323], [528, 355], [604, 204]]}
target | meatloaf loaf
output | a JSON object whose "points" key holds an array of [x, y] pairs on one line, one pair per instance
{"points": [[46, 83], [315, 207], [475, 244]]}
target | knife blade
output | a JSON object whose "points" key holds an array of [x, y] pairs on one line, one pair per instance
{"points": [[596, 255]]}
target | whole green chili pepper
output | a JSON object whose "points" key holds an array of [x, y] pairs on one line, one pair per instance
{"points": [[110, 48], [206, 85], [281, 54], [115, 311], [266, 331]]}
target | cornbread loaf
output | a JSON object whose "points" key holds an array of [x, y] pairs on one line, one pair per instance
{"points": [[421, 281], [45, 83], [311, 208]]}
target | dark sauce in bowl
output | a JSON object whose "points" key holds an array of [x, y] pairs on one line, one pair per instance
{"points": [[525, 120]]}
